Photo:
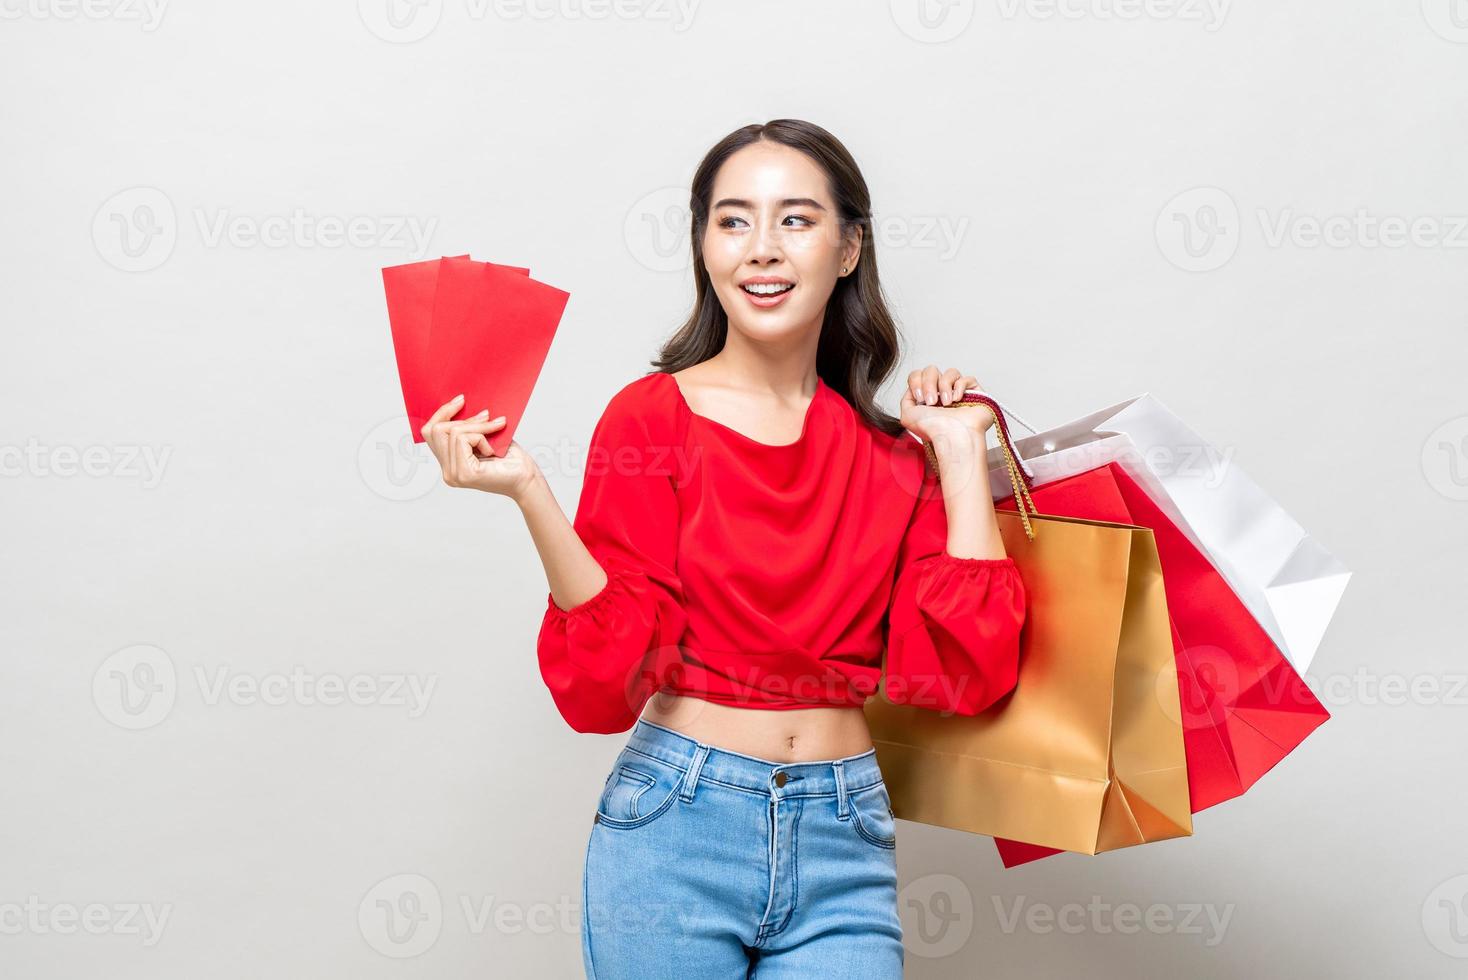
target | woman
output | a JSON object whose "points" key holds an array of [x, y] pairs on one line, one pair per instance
{"points": [[753, 532]]}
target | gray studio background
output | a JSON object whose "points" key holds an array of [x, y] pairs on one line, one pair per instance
{"points": [[269, 703]]}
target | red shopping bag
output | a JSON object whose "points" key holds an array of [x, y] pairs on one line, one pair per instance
{"points": [[411, 291], [1244, 708]]}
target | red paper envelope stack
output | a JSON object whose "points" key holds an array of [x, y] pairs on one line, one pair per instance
{"points": [[474, 328]]}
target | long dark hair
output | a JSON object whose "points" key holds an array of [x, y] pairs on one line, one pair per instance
{"points": [[859, 341]]}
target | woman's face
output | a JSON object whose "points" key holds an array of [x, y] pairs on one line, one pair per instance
{"points": [[773, 247]]}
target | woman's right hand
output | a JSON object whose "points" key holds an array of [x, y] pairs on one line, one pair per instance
{"points": [[457, 447]]}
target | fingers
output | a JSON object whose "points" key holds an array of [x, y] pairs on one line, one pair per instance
{"points": [[445, 411], [930, 386]]}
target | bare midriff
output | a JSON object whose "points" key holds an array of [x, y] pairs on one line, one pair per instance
{"points": [[777, 735]]}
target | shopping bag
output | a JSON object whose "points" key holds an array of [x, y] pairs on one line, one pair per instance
{"points": [[1243, 707], [491, 332], [1086, 752], [1288, 582], [411, 290]]}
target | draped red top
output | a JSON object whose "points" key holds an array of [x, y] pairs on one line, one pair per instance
{"points": [[771, 576]]}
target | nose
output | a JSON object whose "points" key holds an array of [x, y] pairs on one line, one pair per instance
{"points": [[764, 245]]}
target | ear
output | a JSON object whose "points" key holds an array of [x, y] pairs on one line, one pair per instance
{"points": [[851, 250]]}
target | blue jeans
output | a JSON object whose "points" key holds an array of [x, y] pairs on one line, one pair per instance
{"points": [[709, 863]]}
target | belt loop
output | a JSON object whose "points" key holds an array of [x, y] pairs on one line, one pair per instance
{"points": [[840, 789], [690, 778]]}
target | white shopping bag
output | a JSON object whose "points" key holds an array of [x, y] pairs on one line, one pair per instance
{"points": [[1288, 582]]}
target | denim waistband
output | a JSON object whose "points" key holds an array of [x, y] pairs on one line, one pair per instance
{"points": [[699, 760]]}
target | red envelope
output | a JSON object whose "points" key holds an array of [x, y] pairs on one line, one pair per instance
{"points": [[492, 330], [411, 290], [1244, 708]]}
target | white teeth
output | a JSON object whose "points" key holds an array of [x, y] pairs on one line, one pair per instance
{"points": [[767, 288]]}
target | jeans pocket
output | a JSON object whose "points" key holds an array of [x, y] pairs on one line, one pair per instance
{"points": [[871, 815], [637, 792]]}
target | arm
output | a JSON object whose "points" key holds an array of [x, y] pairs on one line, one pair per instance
{"points": [[614, 614], [958, 604]]}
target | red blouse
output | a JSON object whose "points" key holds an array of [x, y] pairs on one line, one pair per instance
{"points": [[771, 576]]}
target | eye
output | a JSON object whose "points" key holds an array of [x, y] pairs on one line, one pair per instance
{"points": [[726, 222], [799, 217]]}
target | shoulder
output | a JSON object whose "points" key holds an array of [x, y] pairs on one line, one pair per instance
{"points": [[897, 461], [648, 407]]}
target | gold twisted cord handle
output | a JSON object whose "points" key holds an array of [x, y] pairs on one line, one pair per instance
{"points": [[1024, 505]]}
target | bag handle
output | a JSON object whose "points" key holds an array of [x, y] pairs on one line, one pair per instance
{"points": [[1020, 477]]}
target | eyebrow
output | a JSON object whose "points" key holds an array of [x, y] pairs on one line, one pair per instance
{"points": [[789, 202]]}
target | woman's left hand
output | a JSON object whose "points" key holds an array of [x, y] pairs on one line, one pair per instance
{"points": [[927, 390]]}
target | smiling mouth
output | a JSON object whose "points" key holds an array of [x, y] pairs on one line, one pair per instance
{"points": [[767, 288]]}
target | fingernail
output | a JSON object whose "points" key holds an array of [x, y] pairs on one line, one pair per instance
{"points": [[500, 419], [457, 397], [917, 394], [932, 397]]}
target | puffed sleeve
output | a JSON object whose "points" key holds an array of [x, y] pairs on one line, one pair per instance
{"points": [[953, 624], [603, 658]]}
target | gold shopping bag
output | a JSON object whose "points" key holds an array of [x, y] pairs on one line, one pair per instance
{"points": [[1086, 752]]}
